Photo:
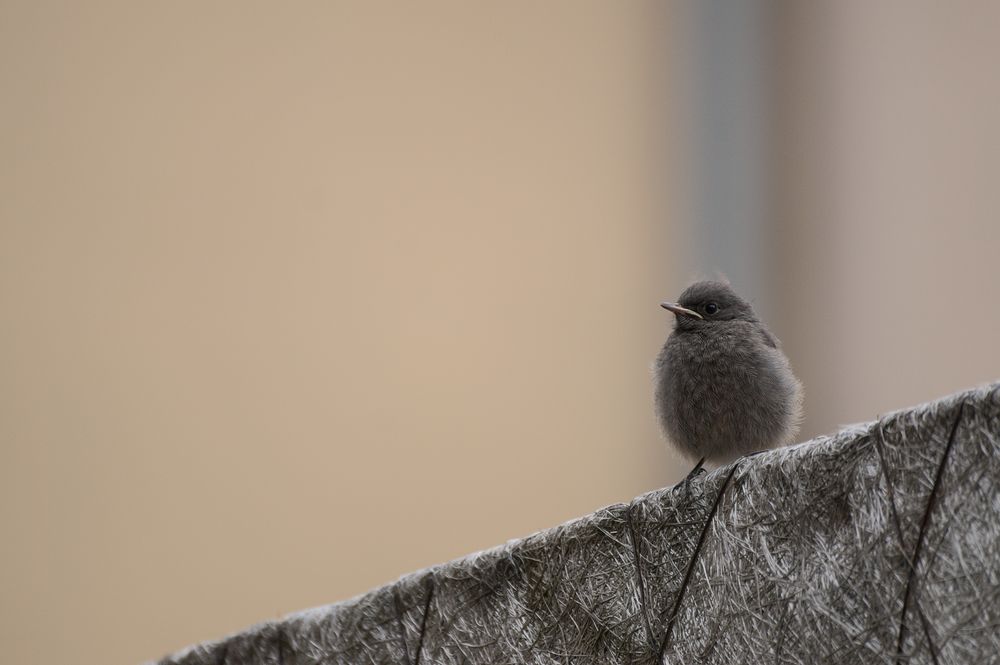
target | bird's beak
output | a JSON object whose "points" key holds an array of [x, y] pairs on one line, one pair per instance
{"points": [[677, 309]]}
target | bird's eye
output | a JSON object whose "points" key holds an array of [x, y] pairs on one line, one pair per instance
{"points": [[711, 308]]}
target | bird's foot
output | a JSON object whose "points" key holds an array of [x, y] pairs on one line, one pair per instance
{"points": [[756, 452]]}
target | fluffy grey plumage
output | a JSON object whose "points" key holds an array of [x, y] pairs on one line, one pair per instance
{"points": [[724, 388]]}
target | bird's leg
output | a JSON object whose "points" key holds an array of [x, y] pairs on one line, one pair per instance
{"points": [[698, 469], [695, 472]]}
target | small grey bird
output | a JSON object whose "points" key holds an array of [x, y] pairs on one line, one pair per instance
{"points": [[724, 388]]}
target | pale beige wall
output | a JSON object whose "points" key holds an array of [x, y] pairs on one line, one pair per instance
{"points": [[298, 299], [888, 128], [293, 301]]}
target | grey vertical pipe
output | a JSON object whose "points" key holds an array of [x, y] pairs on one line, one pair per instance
{"points": [[732, 162]]}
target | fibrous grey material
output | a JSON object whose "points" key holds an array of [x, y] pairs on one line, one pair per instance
{"points": [[880, 544]]}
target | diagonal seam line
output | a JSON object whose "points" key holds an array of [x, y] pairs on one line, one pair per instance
{"points": [[399, 619], [690, 569], [921, 534], [221, 660], [879, 445], [927, 633], [423, 620], [282, 639], [639, 579]]}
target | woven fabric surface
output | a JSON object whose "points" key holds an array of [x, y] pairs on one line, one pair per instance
{"points": [[880, 544]]}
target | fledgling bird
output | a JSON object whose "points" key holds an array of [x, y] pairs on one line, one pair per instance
{"points": [[724, 388]]}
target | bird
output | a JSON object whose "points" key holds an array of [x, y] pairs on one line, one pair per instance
{"points": [[723, 387]]}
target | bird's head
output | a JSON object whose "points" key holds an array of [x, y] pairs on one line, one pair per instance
{"points": [[707, 303]]}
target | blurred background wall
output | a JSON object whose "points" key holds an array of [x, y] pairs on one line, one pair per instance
{"points": [[294, 300]]}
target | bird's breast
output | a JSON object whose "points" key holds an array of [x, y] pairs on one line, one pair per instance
{"points": [[722, 377]]}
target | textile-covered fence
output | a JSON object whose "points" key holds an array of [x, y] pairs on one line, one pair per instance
{"points": [[880, 544]]}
